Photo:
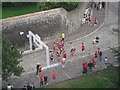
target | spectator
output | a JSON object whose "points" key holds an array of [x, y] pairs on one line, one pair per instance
{"points": [[90, 65], [46, 79], [100, 56], [37, 67], [13, 84], [97, 39], [32, 86], [9, 87], [28, 86], [106, 61], [24, 88]]}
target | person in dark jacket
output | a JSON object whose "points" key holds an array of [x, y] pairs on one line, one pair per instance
{"points": [[90, 65]]}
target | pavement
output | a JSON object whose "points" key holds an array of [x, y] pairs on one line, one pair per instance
{"points": [[74, 69]]}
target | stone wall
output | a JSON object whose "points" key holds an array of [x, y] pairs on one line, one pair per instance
{"points": [[45, 24]]}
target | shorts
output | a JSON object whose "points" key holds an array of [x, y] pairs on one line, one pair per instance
{"points": [[83, 49], [95, 56], [95, 23], [97, 41]]}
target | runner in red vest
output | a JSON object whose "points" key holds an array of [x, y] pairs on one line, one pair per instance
{"points": [[94, 62], [83, 47], [53, 75], [96, 54], [40, 69], [64, 54], [58, 52], [41, 80], [95, 22], [73, 51], [62, 43], [99, 50], [54, 46]]}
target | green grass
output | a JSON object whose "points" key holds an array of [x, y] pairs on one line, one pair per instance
{"points": [[19, 10], [102, 79]]}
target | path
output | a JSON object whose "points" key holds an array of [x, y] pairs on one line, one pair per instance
{"points": [[72, 70]]}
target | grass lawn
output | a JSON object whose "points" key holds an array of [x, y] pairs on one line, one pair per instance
{"points": [[102, 79], [16, 11]]}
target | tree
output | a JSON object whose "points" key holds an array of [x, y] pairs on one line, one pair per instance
{"points": [[41, 6], [10, 62], [116, 51]]}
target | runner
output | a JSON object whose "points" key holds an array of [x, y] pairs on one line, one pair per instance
{"points": [[51, 55], [73, 51], [41, 80], [90, 65], [94, 41], [83, 21], [54, 75], [40, 69], [95, 22], [54, 46], [37, 67], [97, 39], [64, 54], [63, 62], [63, 36], [96, 54], [83, 47], [94, 62]]}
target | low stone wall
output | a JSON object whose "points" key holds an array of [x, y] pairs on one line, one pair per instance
{"points": [[45, 24]]}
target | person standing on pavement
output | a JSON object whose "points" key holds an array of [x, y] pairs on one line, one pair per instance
{"points": [[46, 80], [97, 39], [90, 65], [32, 86], [13, 85], [106, 61], [100, 56], [63, 36], [37, 67], [28, 86]]}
